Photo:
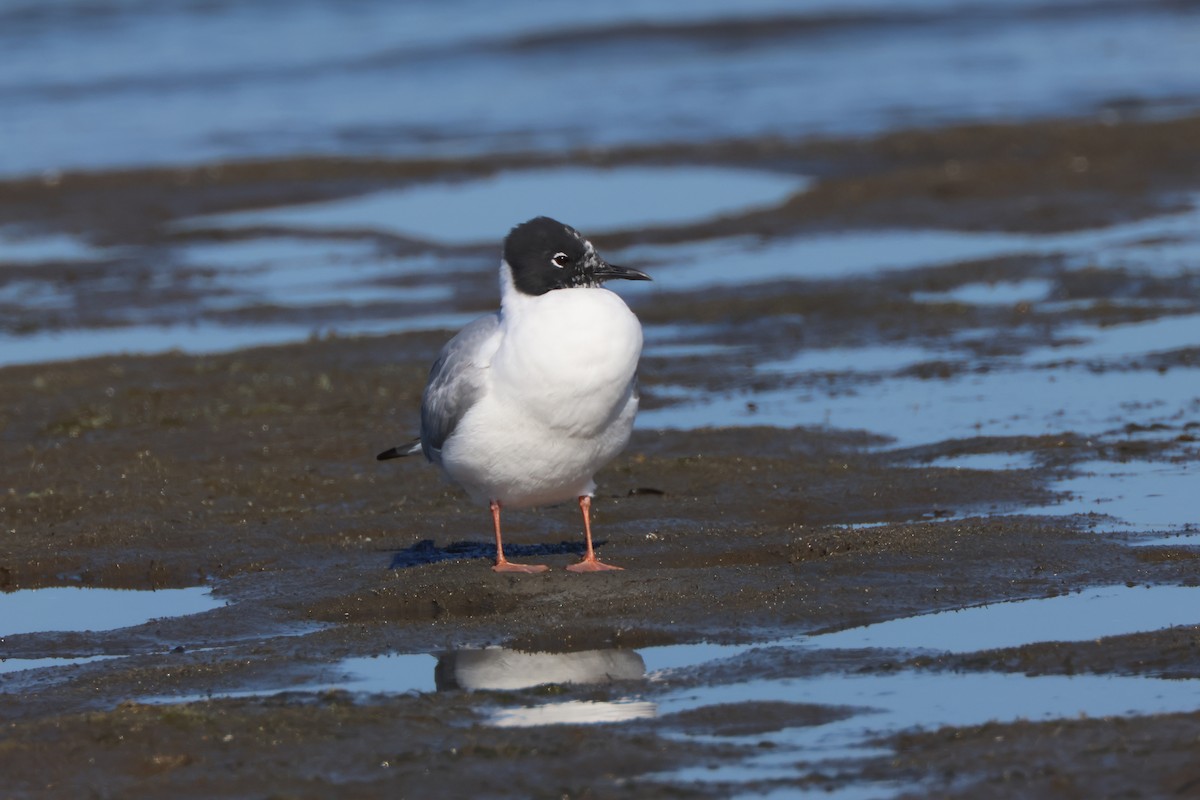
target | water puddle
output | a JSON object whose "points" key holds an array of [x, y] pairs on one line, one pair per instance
{"points": [[484, 669], [985, 461], [1131, 496], [897, 701], [1092, 614], [683, 340], [298, 272], [206, 337], [1116, 342], [840, 256], [345, 277], [915, 411], [740, 261], [1082, 384], [382, 674], [883, 703], [28, 248], [1167, 255], [71, 609], [997, 293], [1173, 540], [35, 295], [688, 350], [862, 360], [60, 609], [239, 255], [483, 210], [1083, 616], [351, 281], [8, 665]]}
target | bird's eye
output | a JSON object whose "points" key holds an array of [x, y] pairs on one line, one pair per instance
{"points": [[561, 260]]}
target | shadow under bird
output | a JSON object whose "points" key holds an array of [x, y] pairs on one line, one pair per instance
{"points": [[524, 405]]}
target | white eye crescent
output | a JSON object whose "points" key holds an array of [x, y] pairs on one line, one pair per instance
{"points": [[561, 260]]}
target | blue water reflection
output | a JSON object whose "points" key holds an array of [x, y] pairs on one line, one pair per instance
{"points": [[424, 78]]}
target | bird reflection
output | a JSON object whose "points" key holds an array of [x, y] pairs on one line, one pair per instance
{"points": [[500, 668]]}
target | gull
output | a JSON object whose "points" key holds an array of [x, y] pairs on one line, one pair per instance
{"points": [[525, 404]]}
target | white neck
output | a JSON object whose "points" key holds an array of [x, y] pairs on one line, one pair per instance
{"points": [[511, 298], [567, 357]]}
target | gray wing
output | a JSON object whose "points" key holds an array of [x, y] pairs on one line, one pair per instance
{"points": [[456, 383]]}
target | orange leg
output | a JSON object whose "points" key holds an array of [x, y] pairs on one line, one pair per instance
{"points": [[502, 563], [590, 563]]}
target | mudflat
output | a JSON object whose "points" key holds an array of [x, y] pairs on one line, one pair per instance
{"points": [[741, 522]]}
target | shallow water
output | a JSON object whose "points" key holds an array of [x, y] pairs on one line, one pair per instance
{"points": [[883, 703], [27, 247], [85, 609], [1082, 616], [985, 461], [457, 77], [71, 609], [233, 293], [1091, 614], [485, 209], [1171, 540], [210, 337], [896, 701], [8, 665], [1000, 293], [914, 411], [737, 261], [305, 272], [1080, 382], [1131, 496], [1116, 342], [740, 261], [355, 285], [885, 358], [96, 84]]}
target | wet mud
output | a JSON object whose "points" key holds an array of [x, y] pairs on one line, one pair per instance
{"points": [[1083, 758], [252, 472]]}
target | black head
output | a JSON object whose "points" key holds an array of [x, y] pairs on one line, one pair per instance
{"points": [[545, 254]]}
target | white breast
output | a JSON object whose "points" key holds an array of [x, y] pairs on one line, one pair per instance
{"points": [[559, 400], [568, 357]]}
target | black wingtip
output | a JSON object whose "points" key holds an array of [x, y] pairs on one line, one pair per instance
{"points": [[403, 450]]}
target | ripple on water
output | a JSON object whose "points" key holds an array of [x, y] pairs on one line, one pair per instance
{"points": [[647, 75]]}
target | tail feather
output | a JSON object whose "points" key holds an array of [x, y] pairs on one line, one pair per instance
{"points": [[410, 449]]}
